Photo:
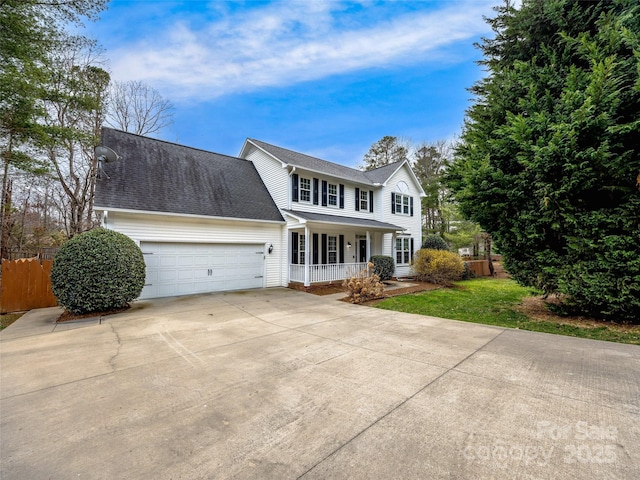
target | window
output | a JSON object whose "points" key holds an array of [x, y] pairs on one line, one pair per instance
{"points": [[305, 189], [403, 250], [364, 200], [333, 195], [332, 249], [402, 204], [302, 248]]}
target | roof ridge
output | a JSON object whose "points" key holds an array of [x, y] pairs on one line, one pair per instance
{"points": [[176, 144], [306, 155]]}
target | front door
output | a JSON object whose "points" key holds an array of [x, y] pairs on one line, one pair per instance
{"points": [[362, 250]]}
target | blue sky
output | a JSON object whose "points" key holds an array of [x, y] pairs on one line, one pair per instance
{"points": [[323, 77]]}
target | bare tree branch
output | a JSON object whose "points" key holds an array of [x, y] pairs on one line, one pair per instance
{"points": [[138, 108]]}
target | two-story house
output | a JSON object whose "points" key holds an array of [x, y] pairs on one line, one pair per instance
{"points": [[338, 217], [209, 222]]}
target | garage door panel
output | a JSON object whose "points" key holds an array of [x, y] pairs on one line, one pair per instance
{"points": [[182, 269]]}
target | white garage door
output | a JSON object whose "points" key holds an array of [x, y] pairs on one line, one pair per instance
{"points": [[186, 268]]}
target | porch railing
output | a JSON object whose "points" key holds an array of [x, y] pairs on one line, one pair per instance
{"points": [[325, 273]]}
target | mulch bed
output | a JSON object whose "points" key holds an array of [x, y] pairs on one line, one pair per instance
{"points": [[70, 317], [330, 289]]}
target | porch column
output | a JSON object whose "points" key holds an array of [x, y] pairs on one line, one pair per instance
{"points": [[368, 246], [306, 256]]}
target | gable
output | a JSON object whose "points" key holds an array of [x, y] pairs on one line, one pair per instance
{"points": [[404, 174], [158, 176]]}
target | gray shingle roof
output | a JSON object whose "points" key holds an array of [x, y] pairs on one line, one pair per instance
{"points": [[158, 176], [335, 219], [379, 175]]}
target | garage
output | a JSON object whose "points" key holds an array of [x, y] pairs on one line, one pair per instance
{"points": [[188, 268]]}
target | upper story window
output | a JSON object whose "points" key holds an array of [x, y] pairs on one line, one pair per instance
{"points": [[402, 204], [316, 191], [332, 190], [364, 200], [305, 189], [401, 201]]}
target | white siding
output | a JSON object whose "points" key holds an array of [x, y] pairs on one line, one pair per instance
{"points": [[411, 224], [349, 209], [275, 178], [160, 228]]}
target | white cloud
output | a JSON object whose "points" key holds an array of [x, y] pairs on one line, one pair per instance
{"points": [[289, 42]]}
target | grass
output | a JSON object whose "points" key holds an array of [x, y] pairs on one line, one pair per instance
{"points": [[499, 302], [8, 318]]}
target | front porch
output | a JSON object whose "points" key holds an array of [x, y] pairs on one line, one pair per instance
{"points": [[324, 273], [328, 248]]}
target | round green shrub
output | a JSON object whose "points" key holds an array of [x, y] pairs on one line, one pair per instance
{"points": [[383, 266], [434, 242], [96, 271]]}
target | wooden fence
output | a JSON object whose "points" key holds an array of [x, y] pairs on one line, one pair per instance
{"points": [[26, 284], [480, 268]]}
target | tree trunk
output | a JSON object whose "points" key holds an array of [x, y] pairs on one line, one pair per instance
{"points": [[487, 251], [6, 215]]}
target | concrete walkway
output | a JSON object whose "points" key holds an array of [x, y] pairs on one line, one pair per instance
{"points": [[282, 384]]}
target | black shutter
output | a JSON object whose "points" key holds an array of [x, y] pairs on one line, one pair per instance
{"points": [[357, 199], [294, 187], [294, 247], [315, 191], [315, 249], [324, 193], [324, 248], [341, 196], [411, 201], [411, 241], [393, 202], [341, 253], [371, 201]]}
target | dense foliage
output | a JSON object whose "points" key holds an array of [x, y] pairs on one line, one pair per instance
{"points": [[96, 271], [549, 159], [383, 266], [437, 266], [434, 242]]}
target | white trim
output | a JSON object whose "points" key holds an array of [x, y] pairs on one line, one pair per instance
{"points": [[183, 215], [415, 179], [304, 221], [247, 141]]}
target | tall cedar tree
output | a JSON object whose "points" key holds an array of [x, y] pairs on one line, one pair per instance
{"points": [[549, 159]]}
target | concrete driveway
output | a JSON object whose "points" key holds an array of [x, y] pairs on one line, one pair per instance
{"points": [[282, 384]]}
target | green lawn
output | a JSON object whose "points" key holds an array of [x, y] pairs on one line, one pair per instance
{"points": [[8, 318], [494, 302]]}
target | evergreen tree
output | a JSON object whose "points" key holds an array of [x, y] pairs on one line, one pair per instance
{"points": [[549, 159]]}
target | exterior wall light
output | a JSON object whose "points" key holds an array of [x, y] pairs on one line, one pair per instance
{"points": [[270, 249]]}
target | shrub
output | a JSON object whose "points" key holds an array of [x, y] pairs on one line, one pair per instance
{"points": [[364, 286], [434, 242], [383, 266], [437, 266], [96, 271], [468, 274]]}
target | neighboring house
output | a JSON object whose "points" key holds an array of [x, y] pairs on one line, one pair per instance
{"points": [[209, 222]]}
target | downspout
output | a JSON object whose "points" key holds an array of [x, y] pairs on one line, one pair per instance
{"points": [[289, 201], [286, 258]]}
